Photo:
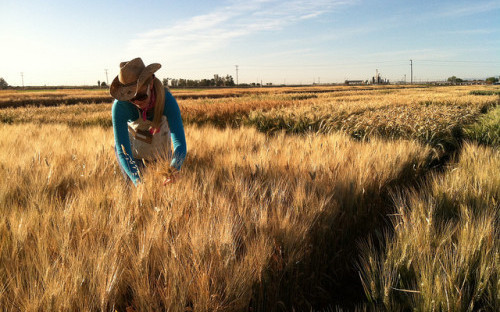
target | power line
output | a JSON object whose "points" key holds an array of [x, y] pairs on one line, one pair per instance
{"points": [[447, 61]]}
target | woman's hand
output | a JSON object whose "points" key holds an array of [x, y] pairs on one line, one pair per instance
{"points": [[171, 176]]}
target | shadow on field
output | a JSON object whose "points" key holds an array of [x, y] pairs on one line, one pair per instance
{"points": [[315, 238]]}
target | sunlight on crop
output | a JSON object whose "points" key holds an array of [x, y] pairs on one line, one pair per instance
{"points": [[366, 197]]}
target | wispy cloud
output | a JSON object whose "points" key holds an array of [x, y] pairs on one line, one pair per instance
{"points": [[214, 30], [471, 8], [470, 32]]}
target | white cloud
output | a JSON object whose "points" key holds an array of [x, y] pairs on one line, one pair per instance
{"points": [[213, 30], [470, 32], [471, 8]]}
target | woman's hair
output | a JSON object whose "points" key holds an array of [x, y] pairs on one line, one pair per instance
{"points": [[160, 101]]}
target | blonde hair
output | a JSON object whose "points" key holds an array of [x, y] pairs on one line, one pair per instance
{"points": [[159, 103]]}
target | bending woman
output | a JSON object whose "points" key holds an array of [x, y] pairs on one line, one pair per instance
{"points": [[146, 121]]}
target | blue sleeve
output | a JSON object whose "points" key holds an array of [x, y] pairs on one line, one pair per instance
{"points": [[121, 113], [173, 114]]}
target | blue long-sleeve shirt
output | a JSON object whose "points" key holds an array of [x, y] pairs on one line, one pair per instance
{"points": [[124, 112]]}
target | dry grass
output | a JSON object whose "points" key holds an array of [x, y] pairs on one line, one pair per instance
{"points": [[444, 254], [254, 220], [53, 97], [262, 222], [216, 111], [233, 111], [435, 116], [19, 98], [71, 115]]}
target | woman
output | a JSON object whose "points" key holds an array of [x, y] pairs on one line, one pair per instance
{"points": [[145, 118]]}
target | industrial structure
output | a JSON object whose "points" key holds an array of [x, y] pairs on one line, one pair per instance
{"points": [[377, 79]]}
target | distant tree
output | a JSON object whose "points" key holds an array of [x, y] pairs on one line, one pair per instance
{"points": [[191, 83], [3, 84], [217, 81], [228, 81], [454, 79], [98, 83], [103, 84], [491, 80]]}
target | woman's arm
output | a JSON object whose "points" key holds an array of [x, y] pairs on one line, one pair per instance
{"points": [[173, 114], [121, 113]]}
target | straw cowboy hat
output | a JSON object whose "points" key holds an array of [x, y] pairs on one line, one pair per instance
{"points": [[132, 76]]}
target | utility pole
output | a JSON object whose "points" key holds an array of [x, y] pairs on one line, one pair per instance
{"points": [[107, 82], [411, 69], [22, 78], [236, 74]]}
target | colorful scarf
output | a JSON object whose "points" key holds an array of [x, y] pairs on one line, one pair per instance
{"points": [[151, 105]]}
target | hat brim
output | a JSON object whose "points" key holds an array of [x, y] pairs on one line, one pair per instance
{"points": [[123, 92], [146, 73]]}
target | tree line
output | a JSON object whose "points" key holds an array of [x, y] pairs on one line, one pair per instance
{"points": [[228, 81], [217, 81], [455, 79]]}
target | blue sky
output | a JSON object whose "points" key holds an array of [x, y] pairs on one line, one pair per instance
{"points": [[295, 41]]}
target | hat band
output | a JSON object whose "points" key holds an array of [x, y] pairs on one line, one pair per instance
{"points": [[129, 84]]}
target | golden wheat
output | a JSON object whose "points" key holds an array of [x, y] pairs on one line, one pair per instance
{"points": [[255, 222], [445, 251], [75, 236], [436, 116]]}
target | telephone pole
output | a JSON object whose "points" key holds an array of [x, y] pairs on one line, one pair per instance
{"points": [[236, 74], [411, 69], [22, 78], [107, 82]]}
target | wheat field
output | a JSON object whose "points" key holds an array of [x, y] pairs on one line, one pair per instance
{"points": [[259, 220], [444, 255]]}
